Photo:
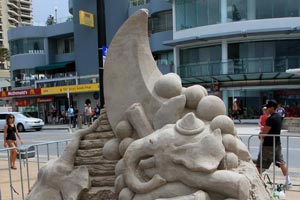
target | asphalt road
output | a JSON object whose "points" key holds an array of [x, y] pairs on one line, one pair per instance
{"points": [[244, 131], [55, 138]]}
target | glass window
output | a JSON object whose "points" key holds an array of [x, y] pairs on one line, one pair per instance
{"points": [[161, 21], [200, 54], [26, 45], [194, 13], [164, 61], [236, 10], [267, 56], [277, 8], [65, 45]]}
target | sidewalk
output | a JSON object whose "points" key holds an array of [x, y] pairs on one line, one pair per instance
{"points": [[63, 127], [246, 128]]}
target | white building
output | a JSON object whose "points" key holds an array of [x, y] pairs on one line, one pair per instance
{"points": [[240, 49]]}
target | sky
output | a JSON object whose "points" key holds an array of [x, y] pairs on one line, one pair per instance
{"points": [[43, 8]]}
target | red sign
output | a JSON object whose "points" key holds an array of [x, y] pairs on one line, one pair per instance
{"points": [[21, 93], [44, 99], [22, 102]]}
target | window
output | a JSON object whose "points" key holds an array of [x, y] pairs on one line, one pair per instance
{"points": [[160, 22], [236, 10], [164, 61], [65, 45], [26, 45], [194, 13], [277, 8]]}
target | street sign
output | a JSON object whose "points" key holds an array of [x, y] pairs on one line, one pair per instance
{"points": [[104, 51]]}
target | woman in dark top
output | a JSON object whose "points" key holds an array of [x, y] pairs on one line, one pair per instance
{"points": [[10, 139]]}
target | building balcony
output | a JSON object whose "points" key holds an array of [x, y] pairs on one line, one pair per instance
{"points": [[26, 2], [13, 12], [240, 69], [9, 3], [54, 80]]}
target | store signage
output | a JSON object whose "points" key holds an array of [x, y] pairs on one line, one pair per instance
{"points": [[71, 88], [22, 102], [20, 93], [86, 18], [44, 99]]}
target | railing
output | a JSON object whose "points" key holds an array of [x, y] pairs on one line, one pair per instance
{"points": [[287, 147], [239, 66], [56, 152], [43, 152], [133, 3]]}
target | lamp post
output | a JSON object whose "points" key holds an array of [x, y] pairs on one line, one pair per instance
{"points": [[101, 44]]}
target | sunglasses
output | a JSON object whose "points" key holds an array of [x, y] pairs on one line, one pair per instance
{"points": [[11, 117]]}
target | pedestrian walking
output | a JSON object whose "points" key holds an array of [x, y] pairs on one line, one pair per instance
{"points": [[75, 116], [281, 111], [236, 111], [11, 134], [272, 126]]}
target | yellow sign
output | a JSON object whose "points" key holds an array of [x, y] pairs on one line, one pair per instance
{"points": [[86, 18], [72, 89]]}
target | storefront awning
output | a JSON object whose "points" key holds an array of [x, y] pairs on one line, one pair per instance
{"points": [[58, 65]]}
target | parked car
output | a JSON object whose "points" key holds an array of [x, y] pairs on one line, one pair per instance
{"points": [[23, 122]]}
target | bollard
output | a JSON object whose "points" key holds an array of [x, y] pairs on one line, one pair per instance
{"points": [[79, 122]]}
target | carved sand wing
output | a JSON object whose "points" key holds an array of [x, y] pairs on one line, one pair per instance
{"points": [[130, 70]]}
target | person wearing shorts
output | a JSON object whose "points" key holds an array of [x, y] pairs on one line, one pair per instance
{"points": [[273, 126], [10, 138]]}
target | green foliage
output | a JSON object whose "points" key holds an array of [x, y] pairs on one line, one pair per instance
{"points": [[50, 20], [4, 55], [236, 14]]}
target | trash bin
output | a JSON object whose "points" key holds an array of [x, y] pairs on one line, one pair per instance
{"points": [[79, 122]]}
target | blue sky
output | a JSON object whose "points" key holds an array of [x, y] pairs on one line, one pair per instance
{"points": [[43, 8]]}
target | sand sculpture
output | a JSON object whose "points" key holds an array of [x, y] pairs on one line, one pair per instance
{"points": [[170, 142]]}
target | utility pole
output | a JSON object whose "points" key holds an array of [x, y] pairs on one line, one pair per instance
{"points": [[101, 44]]}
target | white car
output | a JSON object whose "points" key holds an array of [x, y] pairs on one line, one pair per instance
{"points": [[23, 122]]}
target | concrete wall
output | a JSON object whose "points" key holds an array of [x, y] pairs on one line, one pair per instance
{"points": [[85, 39], [115, 16]]}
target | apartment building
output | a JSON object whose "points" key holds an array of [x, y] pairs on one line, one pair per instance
{"points": [[235, 48], [240, 49], [13, 13]]}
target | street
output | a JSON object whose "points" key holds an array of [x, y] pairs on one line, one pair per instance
{"points": [[40, 137]]}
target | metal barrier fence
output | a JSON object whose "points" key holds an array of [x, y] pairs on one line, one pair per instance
{"points": [[285, 136], [29, 156]]}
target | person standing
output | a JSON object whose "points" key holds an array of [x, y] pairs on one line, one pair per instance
{"points": [[88, 114], [10, 138], [75, 116], [53, 115], [262, 121], [236, 111], [71, 114], [272, 126], [281, 111], [84, 114], [97, 111]]}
